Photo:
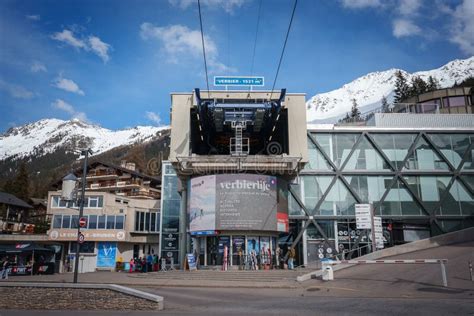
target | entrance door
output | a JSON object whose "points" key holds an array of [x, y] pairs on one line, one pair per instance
{"points": [[212, 250]]}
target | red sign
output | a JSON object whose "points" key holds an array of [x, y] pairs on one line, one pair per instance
{"points": [[80, 238], [83, 222]]}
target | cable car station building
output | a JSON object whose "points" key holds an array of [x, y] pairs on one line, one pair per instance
{"points": [[245, 171]]}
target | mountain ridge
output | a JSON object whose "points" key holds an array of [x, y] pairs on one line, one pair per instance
{"points": [[369, 89]]}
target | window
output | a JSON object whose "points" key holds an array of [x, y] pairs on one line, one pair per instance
{"points": [[110, 222], [57, 221], [153, 222], [456, 101], [119, 221], [66, 221], [85, 247], [147, 221], [93, 201], [101, 222], [92, 222], [142, 221], [74, 221]]}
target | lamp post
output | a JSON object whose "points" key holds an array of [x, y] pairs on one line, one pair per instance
{"points": [[67, 190]]}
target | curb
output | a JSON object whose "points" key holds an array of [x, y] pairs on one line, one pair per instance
{"points": [[114, 287], [157, 285]]}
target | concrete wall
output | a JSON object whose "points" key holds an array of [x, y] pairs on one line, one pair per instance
{"points": [[180, 119], [180, 125]]}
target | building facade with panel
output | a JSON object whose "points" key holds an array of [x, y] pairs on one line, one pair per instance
{"points": [[417, 171]]}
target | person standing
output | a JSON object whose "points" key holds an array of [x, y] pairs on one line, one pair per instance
{"points": [[291, 258], [132, 263], [155, 262], [277, 257], [149, 263], [4, 274]]}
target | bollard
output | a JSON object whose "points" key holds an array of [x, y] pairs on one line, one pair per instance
{"points": [[443, 274], [470, 271], [328, 273]]}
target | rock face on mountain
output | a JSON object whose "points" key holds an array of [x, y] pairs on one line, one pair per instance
{"points": [[369, 90]]}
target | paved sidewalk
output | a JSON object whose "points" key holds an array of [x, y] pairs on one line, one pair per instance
{"points": [[201, 278]]}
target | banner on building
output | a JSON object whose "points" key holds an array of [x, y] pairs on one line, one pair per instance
{"points": [[106, 252]]}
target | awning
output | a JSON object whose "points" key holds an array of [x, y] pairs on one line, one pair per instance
{"points": [[23, 247]]}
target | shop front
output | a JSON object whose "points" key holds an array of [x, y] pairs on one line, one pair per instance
{"points": [[235, 219]]}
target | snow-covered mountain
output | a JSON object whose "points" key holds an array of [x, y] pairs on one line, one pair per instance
{"points": [[47, 135], [369, 90]]}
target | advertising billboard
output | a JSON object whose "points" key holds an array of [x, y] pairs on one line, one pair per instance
{"points": [[106, 254], [238, 202]]}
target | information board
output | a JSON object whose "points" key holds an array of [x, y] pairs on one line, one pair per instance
{"points": [[191, 261], [378, 232], [363, 213]]}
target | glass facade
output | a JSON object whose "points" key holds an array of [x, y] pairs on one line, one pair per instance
{"points": [[405, 174]]}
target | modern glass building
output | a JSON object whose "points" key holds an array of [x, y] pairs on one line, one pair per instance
{"points": [[421, 182]]}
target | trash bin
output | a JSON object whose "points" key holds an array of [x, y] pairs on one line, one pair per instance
{"points": [[328, 273]]}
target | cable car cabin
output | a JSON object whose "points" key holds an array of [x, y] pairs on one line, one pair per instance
{"points": [[239, 126]]}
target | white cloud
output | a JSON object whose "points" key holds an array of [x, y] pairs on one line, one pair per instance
{"points": [[360, 4], [229, 6], [180, 41], [67, 85], [99, 48], [405, 27], [38, 66], [69, 109], [91, 44], [16, 91], [463, 27], [154, 117], [33, 17], [409, 7], [68, 37]]}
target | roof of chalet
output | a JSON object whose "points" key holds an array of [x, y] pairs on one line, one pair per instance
{"points": [[10, 199], [78, 171]]}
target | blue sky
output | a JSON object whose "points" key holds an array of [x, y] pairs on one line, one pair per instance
{"points": [[114, 63]]}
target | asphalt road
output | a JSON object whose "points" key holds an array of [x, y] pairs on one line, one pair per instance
{"points": [[360, 290], [186, 301]]}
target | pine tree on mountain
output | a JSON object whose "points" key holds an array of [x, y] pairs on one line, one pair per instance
{"points": [[418, 86], [19, 187], [355, 113], [385, 108], [346, 118], [433, 84], [401, 87]]}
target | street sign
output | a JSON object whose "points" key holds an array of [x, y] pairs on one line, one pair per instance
{"points": [[239, 81], [83, 222], [363, 216], [80, 238]]}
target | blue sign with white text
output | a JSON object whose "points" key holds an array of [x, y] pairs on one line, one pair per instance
{"points": [[239, 81], [106, 254], [204, 233]]}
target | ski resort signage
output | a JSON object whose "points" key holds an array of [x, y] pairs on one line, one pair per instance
{"points": [[239, 81], [363, 213]]}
